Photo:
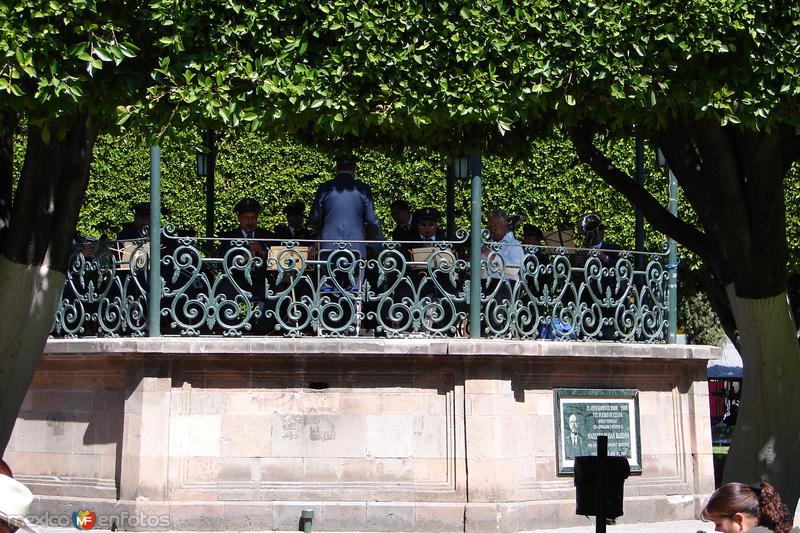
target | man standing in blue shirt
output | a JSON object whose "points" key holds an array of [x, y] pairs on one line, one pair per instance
{"points": [[343, 209]]}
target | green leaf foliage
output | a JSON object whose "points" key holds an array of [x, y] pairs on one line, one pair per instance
{"points": [[699, 321], [434, 73]]}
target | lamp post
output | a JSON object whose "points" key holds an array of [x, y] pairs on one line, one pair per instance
{"points": [[206, 163], [459, 169]]}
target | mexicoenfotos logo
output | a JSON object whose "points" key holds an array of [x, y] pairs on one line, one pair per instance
{"points": [[84, 519]]}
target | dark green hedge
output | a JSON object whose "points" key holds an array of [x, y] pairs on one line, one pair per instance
{"points": [[549, 188]]}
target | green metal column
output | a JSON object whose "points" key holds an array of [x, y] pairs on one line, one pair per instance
{"points": [[475, 247], [673, 261], [154, 297], [209, 142]]}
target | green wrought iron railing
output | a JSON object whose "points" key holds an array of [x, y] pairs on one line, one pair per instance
{"points": [[310, 288]]}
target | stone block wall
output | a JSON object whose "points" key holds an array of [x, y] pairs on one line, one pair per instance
{"points": [[373, 435]]}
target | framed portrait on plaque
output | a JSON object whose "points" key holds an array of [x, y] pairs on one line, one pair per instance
{"points": [[583, 414]]}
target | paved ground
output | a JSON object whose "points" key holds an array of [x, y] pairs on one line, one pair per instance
{"points": [[681, 526]]}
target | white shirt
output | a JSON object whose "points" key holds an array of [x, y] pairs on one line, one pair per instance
{"points": [[513, 255]]}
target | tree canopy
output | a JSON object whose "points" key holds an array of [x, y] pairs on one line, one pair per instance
{"points": [[433, 71], [418, 71]]}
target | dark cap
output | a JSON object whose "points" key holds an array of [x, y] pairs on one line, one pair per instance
{"points": [[427, 213], [346, 159], [400, 204], [295, 208], [589, 222], [247, 204], [141, 209], [532, 231]]}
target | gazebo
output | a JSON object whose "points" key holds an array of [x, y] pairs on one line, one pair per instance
{"points": [[162, 406]]}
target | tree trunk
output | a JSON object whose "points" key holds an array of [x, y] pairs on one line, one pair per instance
{"points": [[7, 127], [734, 181], [28, 300], [766, 443], [34, 256]]}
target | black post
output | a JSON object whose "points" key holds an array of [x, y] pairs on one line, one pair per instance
{"points": [[451, 203], [639, 217], [209, 144], [600, 493]]}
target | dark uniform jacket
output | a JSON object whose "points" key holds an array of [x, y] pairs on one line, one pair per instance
{"points": [[342, 208], [258, 274], [405, 232], [284, 232]]}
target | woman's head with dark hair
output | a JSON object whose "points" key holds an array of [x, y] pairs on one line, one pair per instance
{"points": [[736, 507]]}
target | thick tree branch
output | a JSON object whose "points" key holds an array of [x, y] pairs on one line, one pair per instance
{"points": [[720, 303], [790, 149], [8, 126], [686, 163], [727, 205], [658, 216]]}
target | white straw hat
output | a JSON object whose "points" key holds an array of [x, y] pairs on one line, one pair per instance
{"points": [[15, 502]]}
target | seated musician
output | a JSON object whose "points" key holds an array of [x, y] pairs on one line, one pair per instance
{"points": [[135, 228], [510, 250], [405, 225], [607, 281], [138, 230], [247, 211], [594, 237], [440, 268], [532, 235], [426, 222], [295, 213], [502, 263]]}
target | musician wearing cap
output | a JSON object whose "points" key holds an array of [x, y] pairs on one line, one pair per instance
{"points": [[426, 225], [343, 209], [135, 229], [247, 211], [405, 225], [15, 503], [295, 213], [594, 237], [432, 262]]}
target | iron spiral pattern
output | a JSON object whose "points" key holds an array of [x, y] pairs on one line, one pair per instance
{"points": [[235, 287]]}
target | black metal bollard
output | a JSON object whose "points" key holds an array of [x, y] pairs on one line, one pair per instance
{"points": [[600, 479]]}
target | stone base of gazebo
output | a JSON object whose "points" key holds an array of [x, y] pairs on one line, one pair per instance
{"points": [[371, 434]]}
